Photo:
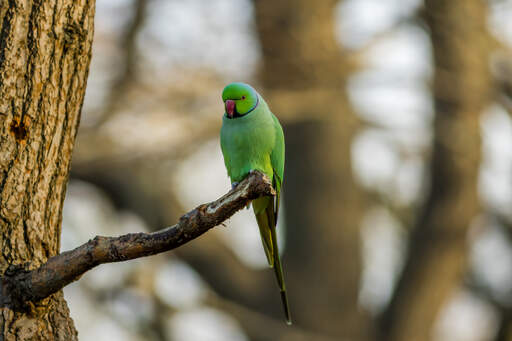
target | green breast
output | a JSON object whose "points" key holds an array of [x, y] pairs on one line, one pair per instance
{"points": [[247, 142]]}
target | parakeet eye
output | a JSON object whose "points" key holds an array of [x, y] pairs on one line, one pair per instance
{"points": [[243, 97]]}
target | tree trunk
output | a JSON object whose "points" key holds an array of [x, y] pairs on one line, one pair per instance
{"points": [[304, 74], [437, 250], [45, 50]]}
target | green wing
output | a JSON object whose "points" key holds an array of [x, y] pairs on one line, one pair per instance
{"points": [[277, 160], [266, 210]]}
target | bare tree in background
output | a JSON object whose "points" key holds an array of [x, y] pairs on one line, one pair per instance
{"points": [[436, 261], [304, 73], [45, 50]]}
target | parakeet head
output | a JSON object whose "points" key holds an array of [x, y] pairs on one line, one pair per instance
{"points": [[239, 99]]}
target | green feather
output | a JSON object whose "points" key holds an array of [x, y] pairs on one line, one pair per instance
{"points": [[254, 140]]}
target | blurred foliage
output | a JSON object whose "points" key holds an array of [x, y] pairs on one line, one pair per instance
{"points": [[398, 186]]}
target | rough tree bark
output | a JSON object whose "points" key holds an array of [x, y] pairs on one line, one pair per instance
{"points": [[437, 250], [45, 50], [304, 75]]}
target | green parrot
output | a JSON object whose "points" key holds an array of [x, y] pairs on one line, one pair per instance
{"points": [[251, 138]]}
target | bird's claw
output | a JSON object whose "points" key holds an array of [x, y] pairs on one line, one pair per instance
{"points": [[234, 184]]}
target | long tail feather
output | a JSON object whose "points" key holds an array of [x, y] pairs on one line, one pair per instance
{"points": [[284, 297], [265, 216], [278, 269]]}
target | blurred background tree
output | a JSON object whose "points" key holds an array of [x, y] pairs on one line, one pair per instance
{"points": [[398, 185]]}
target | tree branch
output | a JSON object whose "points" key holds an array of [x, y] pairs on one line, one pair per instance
{"points": [[18, 286]]}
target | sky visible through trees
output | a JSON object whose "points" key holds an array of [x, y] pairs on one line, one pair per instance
{"points": [[148, 151]]}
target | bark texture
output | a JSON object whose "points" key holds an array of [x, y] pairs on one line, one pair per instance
{"points": [[45, 50], [462, 83]]}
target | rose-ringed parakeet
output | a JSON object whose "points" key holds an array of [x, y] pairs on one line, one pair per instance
{"points": [[251, 138]]}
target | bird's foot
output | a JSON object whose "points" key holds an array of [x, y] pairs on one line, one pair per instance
{"points": [[234, 184]]}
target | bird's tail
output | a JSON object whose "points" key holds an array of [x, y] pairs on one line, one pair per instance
{"points": [[278, 269], [265, 216]]}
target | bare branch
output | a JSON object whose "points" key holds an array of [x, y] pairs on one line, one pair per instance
{"points": [[18, 286]]}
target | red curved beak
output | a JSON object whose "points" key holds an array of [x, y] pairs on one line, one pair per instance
{"points": [[230, 107]]}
